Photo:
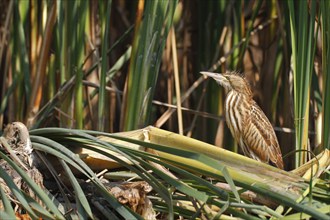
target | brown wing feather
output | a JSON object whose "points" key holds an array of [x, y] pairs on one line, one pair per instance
{"points": [[260, 138]]}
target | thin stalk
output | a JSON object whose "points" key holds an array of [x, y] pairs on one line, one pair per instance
{"points": [[176, 80], [80, 39], [325, 7], [105, 26], [65, 50]]}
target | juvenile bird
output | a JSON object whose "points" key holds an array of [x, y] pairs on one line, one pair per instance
{"points": [[246, 121]]}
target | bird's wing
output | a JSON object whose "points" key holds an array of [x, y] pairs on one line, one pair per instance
{"points": [[260, 137]]}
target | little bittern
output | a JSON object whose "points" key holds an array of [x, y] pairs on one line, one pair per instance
{"points": [[246, 121]]}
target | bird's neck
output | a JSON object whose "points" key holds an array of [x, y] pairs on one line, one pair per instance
{"points": [[248, 96]]}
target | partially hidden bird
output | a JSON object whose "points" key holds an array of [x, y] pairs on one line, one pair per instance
{"points": [[246, 121]]}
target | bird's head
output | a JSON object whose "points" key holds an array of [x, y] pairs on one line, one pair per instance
{"points": [[231, 81]]}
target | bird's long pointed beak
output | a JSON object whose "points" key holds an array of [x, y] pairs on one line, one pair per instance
{"points": [[216, 76]]}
